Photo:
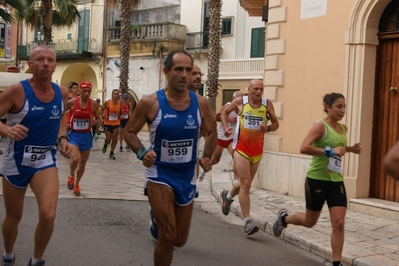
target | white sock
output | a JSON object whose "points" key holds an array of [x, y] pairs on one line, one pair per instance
{"points": [[34, 261], [228, 196], [247, 220], [8, 256]]}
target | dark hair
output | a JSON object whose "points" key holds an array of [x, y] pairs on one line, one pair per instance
{"points": [[115, 90], [72, 83], [329, 99], [168, 62]]}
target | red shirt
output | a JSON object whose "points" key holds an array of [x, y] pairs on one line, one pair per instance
{"points": [[81, 117]]}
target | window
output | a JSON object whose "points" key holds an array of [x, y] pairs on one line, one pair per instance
{"points": [[226, 26], [258, 42]]}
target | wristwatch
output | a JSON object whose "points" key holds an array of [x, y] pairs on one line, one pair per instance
{"points": [[327, 151]]}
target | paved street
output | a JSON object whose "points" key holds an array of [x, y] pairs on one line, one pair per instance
{"points": [[369, 239], [109, 224]]}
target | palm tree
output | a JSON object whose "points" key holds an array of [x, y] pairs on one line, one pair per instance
{"points": [[127, 6], [43, 14], [15, 4], [215, 9]]}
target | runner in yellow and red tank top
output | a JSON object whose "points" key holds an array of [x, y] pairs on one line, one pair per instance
{"points": [[112, 114], [254, 115]]}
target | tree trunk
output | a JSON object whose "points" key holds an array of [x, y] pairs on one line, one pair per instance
{"points": [[47, 17], [125, 45], [215, 9]]}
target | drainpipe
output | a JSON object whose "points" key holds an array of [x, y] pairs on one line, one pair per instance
{"points": [[104, 49]]}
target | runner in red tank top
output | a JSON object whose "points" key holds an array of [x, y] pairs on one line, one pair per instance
{"points": [[126, 114], [82, 110]]}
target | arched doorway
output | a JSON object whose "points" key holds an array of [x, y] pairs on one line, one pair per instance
{"points": [[79, 72], [386, 103]]}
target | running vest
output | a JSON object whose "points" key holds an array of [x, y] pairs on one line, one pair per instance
{"points": [[112, 113], [37, 150], [248, 137], [325, 168], [174, 138], [125, 111], [220, 128], [81, 118]]}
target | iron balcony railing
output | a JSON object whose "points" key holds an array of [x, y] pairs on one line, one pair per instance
{"points": [[61, 46]]}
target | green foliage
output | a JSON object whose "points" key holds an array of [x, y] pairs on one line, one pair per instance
{"points": [[17, 5]]}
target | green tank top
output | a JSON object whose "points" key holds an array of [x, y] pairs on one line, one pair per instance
{"points": [[325, 168]]}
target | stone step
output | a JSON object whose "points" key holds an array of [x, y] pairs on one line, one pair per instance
{"points": [[376, 207]]}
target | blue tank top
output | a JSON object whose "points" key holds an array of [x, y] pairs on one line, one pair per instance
{"points": [[36, 151], [174, 138]]}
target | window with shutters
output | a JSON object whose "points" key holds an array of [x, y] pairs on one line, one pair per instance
{"points": [[258, 42], [226, 26]]}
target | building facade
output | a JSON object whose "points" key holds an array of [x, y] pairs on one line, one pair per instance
{"points": [[318, 47]]}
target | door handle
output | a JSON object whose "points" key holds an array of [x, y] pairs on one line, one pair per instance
{"points": [[392, 89]]}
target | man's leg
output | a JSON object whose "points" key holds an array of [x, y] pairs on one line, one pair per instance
{"points": [[121, 132], [114, 137], [183, 216], [162, 201], [73, 164], [217, 153], [246, 173], [84, 156], [45, 187], [14, 204]]}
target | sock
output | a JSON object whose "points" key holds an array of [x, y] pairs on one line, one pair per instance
{"points": [[228, 196], [34, 261], [8, 256], [247, 220], [283, 219], [336, 263], [105, 145]]}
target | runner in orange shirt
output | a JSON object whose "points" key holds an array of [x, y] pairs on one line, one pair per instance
{"points": [[126, 114], [112, 114]]}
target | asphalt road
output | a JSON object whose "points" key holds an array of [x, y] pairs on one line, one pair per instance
{"points": [[115, 232]]}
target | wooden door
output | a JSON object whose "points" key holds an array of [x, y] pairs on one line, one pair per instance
{"points": [[385, 121]]}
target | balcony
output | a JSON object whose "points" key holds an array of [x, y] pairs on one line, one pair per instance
{"points": [[153, 32], [197, 40], [252, 68], [66, 49]]}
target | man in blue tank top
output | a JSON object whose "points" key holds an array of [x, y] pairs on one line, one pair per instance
{"points": [[175, 117], [35, 120]]}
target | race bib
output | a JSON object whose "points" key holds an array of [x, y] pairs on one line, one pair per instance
{"points": [[177, 151], [81, 124], [37, 156], [113, 117], [334, 164], [125, 116], [252, 122]]}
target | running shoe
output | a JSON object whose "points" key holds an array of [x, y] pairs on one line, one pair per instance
{"points": [[128, 148], [112, 155], [76, 190], [121, 149], [70, 182], [153, 228], [279, 225], [226, 203], [201, 176], [250, 228], [95, 137], [6, 262], [104, 150], [39, 263]]}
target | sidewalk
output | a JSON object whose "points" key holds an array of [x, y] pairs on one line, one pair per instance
{"points": [[369, 240]]}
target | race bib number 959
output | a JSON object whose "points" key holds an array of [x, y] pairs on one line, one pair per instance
{"points": [[177, 151]]}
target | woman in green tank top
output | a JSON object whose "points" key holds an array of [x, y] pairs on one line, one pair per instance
{"points": [[327, 143]]}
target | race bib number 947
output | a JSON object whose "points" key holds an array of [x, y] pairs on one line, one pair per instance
{"points": [[37, 156], [177, 151]]}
